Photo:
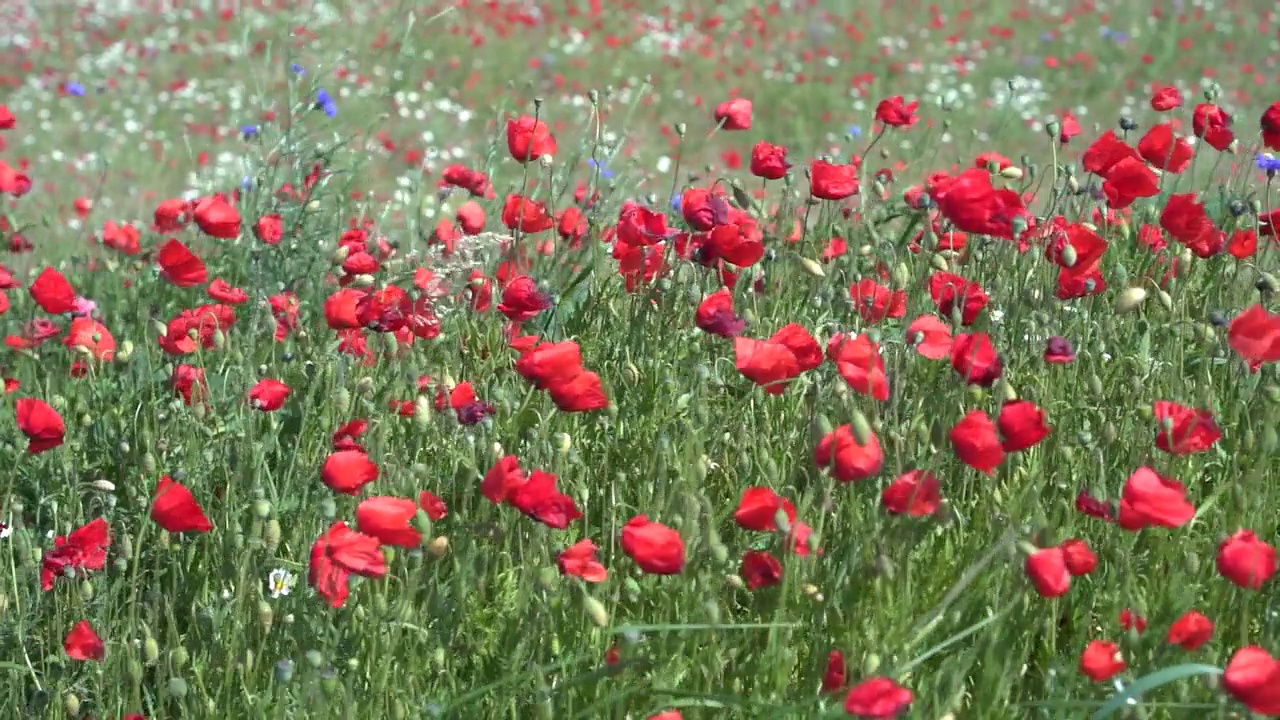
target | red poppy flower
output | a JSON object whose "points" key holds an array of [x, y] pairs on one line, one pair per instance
{"points": [[950, 291], [1166, 98], [878, 698], [896, 112], [975, 359], [180, 266], [828, 181], [338, 553], [223, 292], [522, 300], [1148, 499], [1214, 125], [734, 114], [1022, 425], [579, 560], [83, 643], [268, 395], [858, 361], [53, 293], [976, 443], [930, 337], [834, 676], [1165, 150], [1191, 630], [759, 507], [1047, 570], [769, 161], [1255, 336], [503, 479], [84, 548], [346, 471], [1077, 556], [760, 569], [175, 509], [974, 205], [529, 138], [216, 218], [1252, 676], [390, 520], [715, 315], [845, 458], [529, 216], [1182, 430], [42, 425], [1246, 560], [875, 302], [538, 498], [656, 548], [1101, 661], [915, 492]]}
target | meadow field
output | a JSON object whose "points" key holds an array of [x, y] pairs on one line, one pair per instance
{"points": [[585, 359]]}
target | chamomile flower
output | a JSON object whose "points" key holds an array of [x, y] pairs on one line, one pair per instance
{"points": [[280, 582]]}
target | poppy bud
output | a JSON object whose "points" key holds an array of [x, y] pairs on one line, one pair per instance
{"points": [[177, 688], [596, 611], [811, 591], [1069, 256], [1269, 440], [1131, 298], [438, 547], [340, 254], [861, 428], [265, 615], [680, 129], [103, 485], [939, 263], [86, 590], [735, 582], [134, 671], [150, 648], [1012, 172], [72, 704], [1165, 299], [178, 658], [810, 267], [870, 664], [271, 536]]}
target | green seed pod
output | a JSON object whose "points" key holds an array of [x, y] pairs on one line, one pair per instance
{"points": [[179, 657], [266, 616], [1272, 392], [870, 664], [177, 688], [271, 536], [1269, 440], [149, 463], [1095, 386], [133, 669], [342, 401], [596, 611], [861, 428], [150, 649]]}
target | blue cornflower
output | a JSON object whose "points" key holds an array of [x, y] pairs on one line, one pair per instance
{"points": [[675, 202], [1268, 163], [74, 88], [326, 103], [246, 183], [605, 172], [855, 131], [249, 132], [297, 69]]}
